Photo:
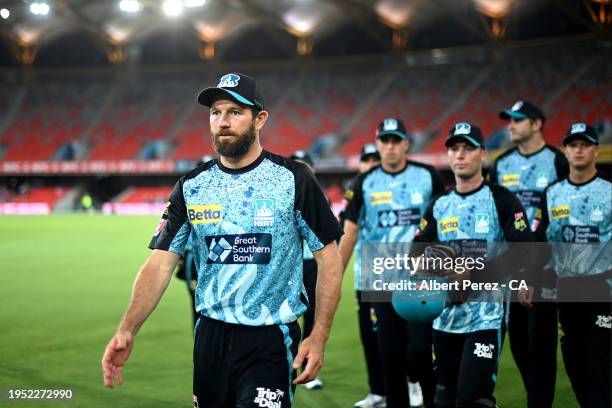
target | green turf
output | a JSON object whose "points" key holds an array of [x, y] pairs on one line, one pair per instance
{"points": [[64, 283]]}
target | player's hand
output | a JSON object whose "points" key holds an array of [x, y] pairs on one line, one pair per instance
{"points": [[525, 296], [311, 349], [116, 354]]}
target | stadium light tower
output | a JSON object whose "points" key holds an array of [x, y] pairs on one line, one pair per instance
{"points": [[172, 8], [39, 8], [130, 6], [5, 13]]}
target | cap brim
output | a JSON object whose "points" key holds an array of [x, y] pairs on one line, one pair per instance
{"points": [[207, 96], [365, 156], [582, 136], [507, 114], [392, 132], [462, 138]]}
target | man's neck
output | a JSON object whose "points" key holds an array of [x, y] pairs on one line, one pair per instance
{"points": [[244, 160], [532, 145], [395, 168], [580, 176], [470, 184]]}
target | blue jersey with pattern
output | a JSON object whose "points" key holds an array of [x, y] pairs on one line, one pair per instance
{"points": [[387, 207], [247, 227], [580, 214], [527, 176], [488, 214]]}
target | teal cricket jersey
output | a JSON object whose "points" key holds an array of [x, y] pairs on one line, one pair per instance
{"points": [[247, 227], [527, 176], [580, 214], [490, 213], [387, 207]]}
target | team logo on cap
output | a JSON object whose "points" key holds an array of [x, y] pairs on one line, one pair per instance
{"points": [[389, 124], [518, 105], [369, 149], [462, 129], [228, 81], [578, 128]]}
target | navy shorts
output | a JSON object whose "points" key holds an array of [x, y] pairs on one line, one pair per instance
{"points": [[239, 366]]}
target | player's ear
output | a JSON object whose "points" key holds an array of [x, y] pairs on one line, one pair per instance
{"points": [[260, 119]]}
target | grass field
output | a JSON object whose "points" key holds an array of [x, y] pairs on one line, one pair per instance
{"points": [[64, 283]]}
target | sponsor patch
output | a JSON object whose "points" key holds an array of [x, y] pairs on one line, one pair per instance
{"points": [[204, 214], [484, 350], [267, 398], [239, 249], [264, 212], [449, 225], [578, 234], [394, 218], [384, 197], [349, 194], [603, 321], [510, 180], [160, 226], [562, 211], [519, 221], [423, 224]]}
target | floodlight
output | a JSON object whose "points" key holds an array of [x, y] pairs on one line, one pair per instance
{"points": [[5, 13], [130, 6], [194, 3], [173, 8], [39, 8]]}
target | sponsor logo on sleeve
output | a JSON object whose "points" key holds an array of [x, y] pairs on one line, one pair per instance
{"points": [[239, 249], [449, 224], [520, 224], [349, 194], [264, 212], [160, 226], [562, 211], [423, 224], [204, 214]]}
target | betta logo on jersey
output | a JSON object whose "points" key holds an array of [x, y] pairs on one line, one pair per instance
{"points": [[239, 249], [562, 211], [510, 180], [449, 225], [384, 197], [204, 214], [228, 81]]}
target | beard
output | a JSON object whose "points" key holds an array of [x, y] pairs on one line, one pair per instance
{"points": [[238, 147]]}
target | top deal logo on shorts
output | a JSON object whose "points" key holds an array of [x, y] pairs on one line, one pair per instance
{"points": [[268, 399], [239, 249]]}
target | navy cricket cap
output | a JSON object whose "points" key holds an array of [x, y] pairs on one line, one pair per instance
{"points": [[369, 150], [581, 131], [391, 126], [241, 88], [523, 110], [465, 132], [302, 156]]}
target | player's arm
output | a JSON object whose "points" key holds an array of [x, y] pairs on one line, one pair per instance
{"points": [[167, 243], [319, 228], [352, 214]]}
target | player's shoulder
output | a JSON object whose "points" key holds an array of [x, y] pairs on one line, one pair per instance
{"points": [[441, 196], [297, 168], [199, 170], [500, 193], [554, 149], [428, 167], [605, 177], [506, 155], [555, 186]]}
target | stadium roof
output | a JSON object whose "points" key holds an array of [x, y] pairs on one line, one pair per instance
{"points": [[86, 32]]}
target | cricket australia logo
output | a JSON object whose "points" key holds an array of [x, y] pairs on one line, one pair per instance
{"points": [[219, 250], [269, 399], [483, 350], [228, 81], [605, 322]]}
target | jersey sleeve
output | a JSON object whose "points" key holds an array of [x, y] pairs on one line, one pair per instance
{"points": [[316, 221], [428, 229], [354, 197], [512, 216], [172, 232]]}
